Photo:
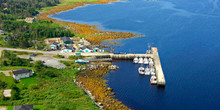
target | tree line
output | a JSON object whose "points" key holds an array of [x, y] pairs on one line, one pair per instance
{"points": [[23, 34]]}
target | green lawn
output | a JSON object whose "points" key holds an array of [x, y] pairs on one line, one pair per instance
{"points": [[30, 80], [5, 68], [58, 93], [8, 79]]}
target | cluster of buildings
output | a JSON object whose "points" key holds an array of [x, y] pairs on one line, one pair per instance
{"points": [[66, 44]]}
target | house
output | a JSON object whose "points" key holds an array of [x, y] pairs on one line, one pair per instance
{"points": [[1, 32], [68, 49], [85, 49], [54, 46], [23, 107], [66, 40], [22, 73], [30, 20], [7, 93], [97, 49]]}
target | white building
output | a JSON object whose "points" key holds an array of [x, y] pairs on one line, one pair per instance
{"points": [[22, 73]]}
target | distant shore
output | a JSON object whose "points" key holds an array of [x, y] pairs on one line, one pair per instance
{"points": [[90, 32]]}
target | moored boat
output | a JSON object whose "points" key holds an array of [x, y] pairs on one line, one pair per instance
{"points": [[141, 71], [81, 61], [146, 61], [141, 61], [152, 70], [151, 63], [153, 80], [135, 60], [147, 71], [153, 73]]}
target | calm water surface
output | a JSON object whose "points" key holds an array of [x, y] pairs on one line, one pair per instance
{"points": [[187, 34]]}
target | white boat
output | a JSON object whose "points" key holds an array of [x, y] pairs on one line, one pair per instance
{"points": [[153, 73], [152, 70], [153, 80], [150, 59], [151, 63], [141, 61], [81, 61], [147, 71], [135, 60], [141, 71], [146, 61]]}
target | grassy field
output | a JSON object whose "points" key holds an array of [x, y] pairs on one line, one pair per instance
{"points": [[64, 3], [5, 68], [51, 93]]}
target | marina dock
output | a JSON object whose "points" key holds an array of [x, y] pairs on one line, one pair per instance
{"points": [[154, 54]]}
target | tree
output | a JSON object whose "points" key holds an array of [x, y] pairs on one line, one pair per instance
{"points": [[3, 85]]}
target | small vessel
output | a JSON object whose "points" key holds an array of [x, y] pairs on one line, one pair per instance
{"points": [[151, 63], [153, 80], [135, 60], [141, 71], [81, 61], [141, 61], [153, 73], [152, 70], [147, 71], [150, 60], [146, 61]]}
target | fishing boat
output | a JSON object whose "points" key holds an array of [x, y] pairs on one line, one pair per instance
{"points": [[153, 73], [81, 61], [150, 60], [147, 71], [135, 60], [141, 71], [153, 80], [152, 70], [151, 63], [141, 61], [146, 61]]}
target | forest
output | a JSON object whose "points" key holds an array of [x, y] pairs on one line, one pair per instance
{"points": [[22, 34]]}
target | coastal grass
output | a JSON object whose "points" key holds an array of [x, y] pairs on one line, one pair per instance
{"points": [[65, 3]]}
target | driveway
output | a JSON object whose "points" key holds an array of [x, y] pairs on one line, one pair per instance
{"points": [[6, 74]]}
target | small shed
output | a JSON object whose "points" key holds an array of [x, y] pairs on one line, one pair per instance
{"points": [[7, 93]]}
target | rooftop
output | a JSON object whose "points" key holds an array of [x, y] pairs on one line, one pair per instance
{"points": [[23, 107], [21, 71]]}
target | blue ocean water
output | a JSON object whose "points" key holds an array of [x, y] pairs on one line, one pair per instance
{"points": [[187, 34]]}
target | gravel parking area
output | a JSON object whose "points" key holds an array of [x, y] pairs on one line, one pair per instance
{"points": [[48, 60]]}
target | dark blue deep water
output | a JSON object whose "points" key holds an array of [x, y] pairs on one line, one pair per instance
{"points": [[187, 34]]}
